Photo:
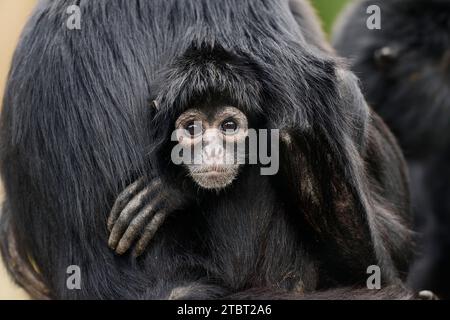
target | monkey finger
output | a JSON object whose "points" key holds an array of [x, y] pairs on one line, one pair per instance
{"points": [[122, 222], [122, 201], [134, 229], [150, 232]]}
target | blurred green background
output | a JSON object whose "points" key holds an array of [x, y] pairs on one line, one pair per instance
{"points": [[328, 10]]}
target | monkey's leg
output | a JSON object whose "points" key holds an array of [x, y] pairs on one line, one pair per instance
{"points": [[139, 211]]}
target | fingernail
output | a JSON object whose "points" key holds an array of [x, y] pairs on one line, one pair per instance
{"points": [[112, 244]]}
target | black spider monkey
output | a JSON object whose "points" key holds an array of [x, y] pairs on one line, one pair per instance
{"points": [[405, 73], [78, 126]]}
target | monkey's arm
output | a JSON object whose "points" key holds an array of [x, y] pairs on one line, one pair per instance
{"points": [[359, 207], [319, 195], [139, 212]]}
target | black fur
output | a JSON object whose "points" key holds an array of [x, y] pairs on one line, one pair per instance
{"points": [[77, 128], [410, 89]]}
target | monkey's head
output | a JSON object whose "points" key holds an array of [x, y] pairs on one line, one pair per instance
{"points": [[212, 143]]}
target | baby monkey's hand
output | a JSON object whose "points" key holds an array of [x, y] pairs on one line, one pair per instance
{"points": [[139, 212]]}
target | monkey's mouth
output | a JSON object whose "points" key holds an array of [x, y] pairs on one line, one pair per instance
{"points": [[213, 170], [211, 174], [215, 177]]}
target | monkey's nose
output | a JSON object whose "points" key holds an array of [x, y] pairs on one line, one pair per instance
{"points": [[213, 151]]}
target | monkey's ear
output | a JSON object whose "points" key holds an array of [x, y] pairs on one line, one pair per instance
{"points": [[155, 105], [286, 138], [386, 56]]}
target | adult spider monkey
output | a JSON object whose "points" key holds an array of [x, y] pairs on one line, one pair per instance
{"points": [[74, 138], [405, 74]]}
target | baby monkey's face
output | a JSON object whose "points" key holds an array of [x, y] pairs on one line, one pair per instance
{"points": [[215, 143]]}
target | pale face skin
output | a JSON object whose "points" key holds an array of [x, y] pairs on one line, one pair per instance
{"points": [[214, 139]]}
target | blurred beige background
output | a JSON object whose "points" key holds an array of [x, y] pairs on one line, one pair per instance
{"points": [[13, 15]]}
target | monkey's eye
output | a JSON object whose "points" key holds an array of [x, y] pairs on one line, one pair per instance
{"points": [[194, 129], [229, 126]]}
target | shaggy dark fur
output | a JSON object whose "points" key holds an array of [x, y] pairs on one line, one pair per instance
{"points": [[77, 128], [409, 86]]}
